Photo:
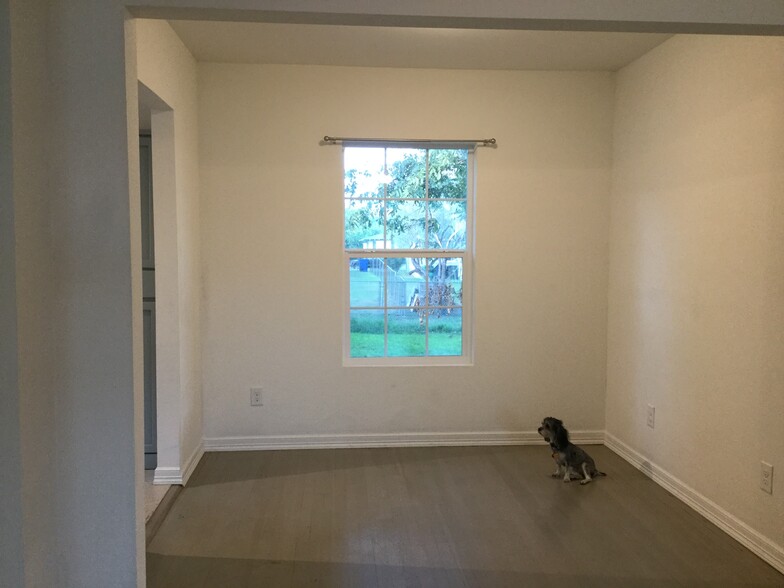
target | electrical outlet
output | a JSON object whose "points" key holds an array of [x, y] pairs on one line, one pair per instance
{"points": [[766, 478], [651, 416], [255, 396]]}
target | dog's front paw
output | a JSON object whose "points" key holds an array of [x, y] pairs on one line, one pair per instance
{"points": [[567, 480], [584, 482]]}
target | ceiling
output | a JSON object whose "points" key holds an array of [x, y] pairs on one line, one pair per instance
{"points": [[304, 44]]}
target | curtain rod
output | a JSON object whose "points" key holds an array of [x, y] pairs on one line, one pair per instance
{"points": [[335, 140]]}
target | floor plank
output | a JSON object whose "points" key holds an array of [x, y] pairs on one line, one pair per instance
{"points": [[449, 516]]}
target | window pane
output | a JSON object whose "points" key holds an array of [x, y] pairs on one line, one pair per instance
{"points": [[406, 333], [365, 279], [363, 172], [406, 223], [406, 169], [364, 224], [398, 199], [416, 269], [405, 287], [445, 332], [367, 333], [446, 225], [448, 173], [445, 284]]}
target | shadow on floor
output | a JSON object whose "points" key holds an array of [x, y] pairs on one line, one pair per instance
{"points": [[243, 466]]}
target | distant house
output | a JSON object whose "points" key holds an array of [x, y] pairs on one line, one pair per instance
{"points": [[376, 242]]}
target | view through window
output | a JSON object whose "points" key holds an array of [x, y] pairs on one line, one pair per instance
{"points": [[407, 249]]}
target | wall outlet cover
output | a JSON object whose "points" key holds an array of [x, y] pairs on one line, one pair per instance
{"points": [[766, 477], [256, 397]]}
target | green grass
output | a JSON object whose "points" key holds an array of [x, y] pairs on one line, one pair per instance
{"points": [[364, 345], [406, 337]]}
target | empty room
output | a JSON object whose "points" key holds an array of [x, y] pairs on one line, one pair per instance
{"points": [[336, 297], [609, 253]]}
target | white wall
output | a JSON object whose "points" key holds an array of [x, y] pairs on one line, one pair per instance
{"points": [[32, 247], [272, 215], [167, 68], [66, 322], [696, 293], [78, 380]]}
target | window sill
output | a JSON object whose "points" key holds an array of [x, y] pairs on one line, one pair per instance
{"points": [[376, 362]]}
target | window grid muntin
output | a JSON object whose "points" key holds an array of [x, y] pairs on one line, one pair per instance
{"points": [[426, 200], [425, 252], [426, 307]]}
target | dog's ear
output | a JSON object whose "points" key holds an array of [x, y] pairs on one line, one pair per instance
{"points": [[561, 434]]}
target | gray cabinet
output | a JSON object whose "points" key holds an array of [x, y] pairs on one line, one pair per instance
{"points": [[150, 421], [145, 167], [148, 292]]}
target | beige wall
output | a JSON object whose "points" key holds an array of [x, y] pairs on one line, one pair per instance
{"points": [[272, 233], [167, 68], [696, 293]]}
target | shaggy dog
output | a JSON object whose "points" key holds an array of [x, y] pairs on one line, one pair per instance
{"points": [[570, 460]]}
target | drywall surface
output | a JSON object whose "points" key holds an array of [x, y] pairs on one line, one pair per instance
{"points": [[34, 289], [272, 214], [77, 379], [696, 292], [167, 68]]}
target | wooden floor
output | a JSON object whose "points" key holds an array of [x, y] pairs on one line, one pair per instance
{"points": [[452, 517]]}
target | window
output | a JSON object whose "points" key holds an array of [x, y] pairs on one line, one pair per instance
{"points": [[408, 253]]}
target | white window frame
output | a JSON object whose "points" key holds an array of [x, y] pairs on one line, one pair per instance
{"points": [[467, 257]]}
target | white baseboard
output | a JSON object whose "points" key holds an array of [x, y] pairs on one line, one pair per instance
{"points": [[164, 475], [179, 476], [734, 527], [267, 442]]}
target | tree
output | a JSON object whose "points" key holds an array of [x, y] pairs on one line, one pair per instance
{"points": [[411, 221]]}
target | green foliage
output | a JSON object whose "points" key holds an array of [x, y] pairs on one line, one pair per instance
{"points": [[448, 173], [405, 209], [364, 219]]}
